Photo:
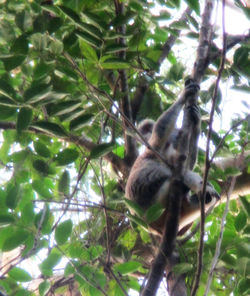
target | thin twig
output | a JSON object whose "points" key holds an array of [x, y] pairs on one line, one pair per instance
{"points": [[106, 95], [207, 161], [224, 137], [80, 175], [93, 205], [219, 241], [92, 282]]}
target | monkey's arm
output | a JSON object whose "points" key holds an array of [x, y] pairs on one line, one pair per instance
{"points": [[191, 123], [165, 125]]}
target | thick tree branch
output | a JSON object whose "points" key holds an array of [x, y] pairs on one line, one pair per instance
{"points": [[231, 42], [143, 84], [177, 192], [82, 141], [207, 161], [130, 143], [139, 96], [172, 38], [204, 42]]}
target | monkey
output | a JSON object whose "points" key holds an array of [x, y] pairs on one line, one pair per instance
{"points": [[149, 178]]}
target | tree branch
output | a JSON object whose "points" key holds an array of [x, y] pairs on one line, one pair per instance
{"points": [[172, 38], [131, 152], [204, 42], [175, 196], [143, 85], [207, 161], [82, 141]]}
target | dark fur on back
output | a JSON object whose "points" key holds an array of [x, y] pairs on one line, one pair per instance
{"points": [[146, 178]]}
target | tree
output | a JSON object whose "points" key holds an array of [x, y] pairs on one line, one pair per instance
{"points": [[75, 79]]}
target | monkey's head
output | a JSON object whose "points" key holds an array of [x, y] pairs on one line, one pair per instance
{"points": [[146, 127]]}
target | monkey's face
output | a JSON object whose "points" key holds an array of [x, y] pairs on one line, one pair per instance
{"points": [[146, 128]]}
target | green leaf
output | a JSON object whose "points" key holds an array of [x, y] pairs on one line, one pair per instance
{"points": [[43, 220], [245, 204], [41, 188], [138, 221], [39, 41], [244, 286], [195, 5], [89, 39], [154, 212], [63, 232], [229, 260], [241, 56], [6, 219], [47, 265], [88, 51], [176, 72], [70, 13], [7, 90], [234, 172], [114, 48], [12, 61], [24, 20], [28, 214], [182, 268], [51, 128], [12, 196], [7, 112], [56, 47], [134, 206], [24, 118], [42, 70], [94, 19], [19, 275], [123, 19], [20, 46], [92, 30], [63, 107], [41, 149], [64, 183], [7, 102], [41, 166], [19, 156], [44, 288], [128, 267], [7, 30], [240, 221], [66, 156], [80, 121], [164, 15], [51, 8], [115, 64], [243, 266], [241, 61], [16, 239], [101, 150], [37, 93]]}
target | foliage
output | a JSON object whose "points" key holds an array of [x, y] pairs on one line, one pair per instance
{"points": [[62, 206]]}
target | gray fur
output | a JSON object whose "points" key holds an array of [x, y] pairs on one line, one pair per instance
{"points": [[149, 178]]}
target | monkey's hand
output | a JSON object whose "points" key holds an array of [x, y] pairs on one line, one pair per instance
{"points": [[191, 88], [211, 193]]}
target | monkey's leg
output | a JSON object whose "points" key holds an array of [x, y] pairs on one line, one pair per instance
{"points": [[166, 122]]}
